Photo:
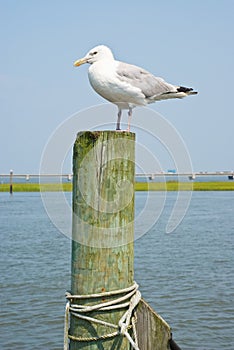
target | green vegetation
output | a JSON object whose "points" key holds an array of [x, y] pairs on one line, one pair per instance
{"points": [[185, 186], [30, 187], [139, 186]]}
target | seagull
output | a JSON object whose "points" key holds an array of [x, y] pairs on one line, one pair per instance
{"points": [[126, 85]]}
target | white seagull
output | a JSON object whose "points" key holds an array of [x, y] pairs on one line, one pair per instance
{"points": [[126, 85]]}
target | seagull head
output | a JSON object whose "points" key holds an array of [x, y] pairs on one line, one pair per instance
{"points": [[98, 53]]}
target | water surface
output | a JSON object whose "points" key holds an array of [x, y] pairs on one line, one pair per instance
{"points": [[186, 276]]}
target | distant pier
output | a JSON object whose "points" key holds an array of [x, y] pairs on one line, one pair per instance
{"points": [[148, 175]]}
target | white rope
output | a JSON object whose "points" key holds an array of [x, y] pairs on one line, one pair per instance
{"points": [[127, 321]]}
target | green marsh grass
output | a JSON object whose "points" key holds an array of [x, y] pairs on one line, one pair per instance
{"points": [[139, 186]]}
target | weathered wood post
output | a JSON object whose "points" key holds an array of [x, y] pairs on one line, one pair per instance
{"points": [[11, 182], [103, 230]]}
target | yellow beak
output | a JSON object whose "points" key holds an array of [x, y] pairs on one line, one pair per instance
{"points": [[80, 62]]}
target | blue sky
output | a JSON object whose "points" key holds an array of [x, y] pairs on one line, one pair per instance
{"points": [[185, 42]]}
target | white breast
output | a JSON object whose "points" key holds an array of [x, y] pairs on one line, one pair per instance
{"points": [[104, 80]]}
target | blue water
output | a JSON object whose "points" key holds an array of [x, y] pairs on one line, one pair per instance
{"points": [[186, 276]]}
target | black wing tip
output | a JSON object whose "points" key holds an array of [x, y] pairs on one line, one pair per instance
{"points": [[188, 91], [184, 89]]}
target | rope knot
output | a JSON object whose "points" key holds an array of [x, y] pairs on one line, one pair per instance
{"points": [[123, 328], [131, 298]]}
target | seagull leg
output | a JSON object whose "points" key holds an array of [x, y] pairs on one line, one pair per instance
{"points": [[118, 120], [129, 118]]}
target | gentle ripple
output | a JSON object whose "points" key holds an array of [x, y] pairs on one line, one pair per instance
{"points": [[187, 276]]}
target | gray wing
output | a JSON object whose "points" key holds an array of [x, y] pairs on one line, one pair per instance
{"points": [[140, 78]]}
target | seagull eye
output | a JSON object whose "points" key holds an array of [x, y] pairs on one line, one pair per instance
{"points": [[93, 53]]}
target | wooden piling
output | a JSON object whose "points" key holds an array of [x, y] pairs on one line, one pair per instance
{"points": [[103, 229], [11, 181]]}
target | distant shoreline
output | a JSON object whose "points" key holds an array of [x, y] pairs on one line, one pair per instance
{"points": [[139, 186]]}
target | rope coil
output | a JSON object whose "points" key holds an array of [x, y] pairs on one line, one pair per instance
{"points": [[128, 321]]}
